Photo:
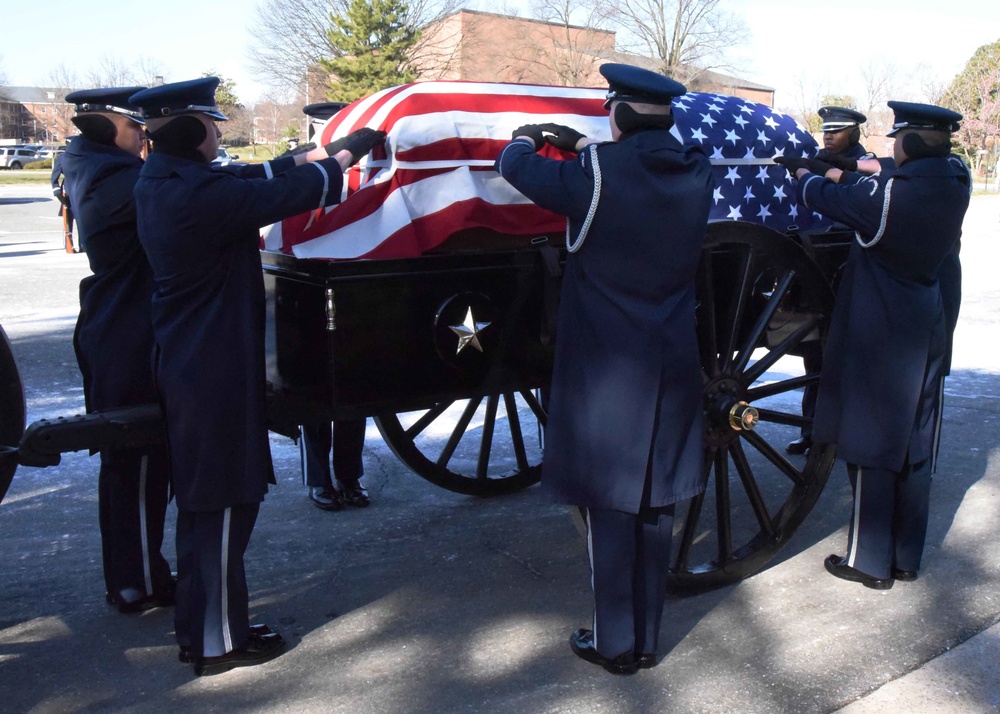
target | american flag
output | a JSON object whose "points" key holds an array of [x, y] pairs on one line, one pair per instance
{"points": [[435, 174]]}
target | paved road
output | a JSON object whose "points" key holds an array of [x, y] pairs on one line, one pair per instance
{"points": [[434, 602]]}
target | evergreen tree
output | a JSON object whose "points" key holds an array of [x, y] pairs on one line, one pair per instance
{"points": [[374, 38]]}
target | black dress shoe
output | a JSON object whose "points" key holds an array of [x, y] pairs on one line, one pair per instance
{"points": [[326, 499], [799, 446], [907, 576], [184, 656], [646, 660], [582, 644], [356, 496], [836, 566], [256, 650], [131, 600]]}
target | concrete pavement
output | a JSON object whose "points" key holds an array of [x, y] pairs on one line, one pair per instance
{"points": [[434, 602]]}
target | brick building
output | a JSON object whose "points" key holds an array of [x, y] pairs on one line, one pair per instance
{"points": [[35, 115]]}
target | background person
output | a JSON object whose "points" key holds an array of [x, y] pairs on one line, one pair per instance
{"points": [[879, 397], [65, 210], [114, 340], [624, 435], [343, 446], [841, 138], [200, 228]]}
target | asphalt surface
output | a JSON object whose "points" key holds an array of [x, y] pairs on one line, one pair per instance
{"points": [[433, 602]]}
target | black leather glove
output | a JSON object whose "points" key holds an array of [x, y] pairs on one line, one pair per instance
{"points": [[359, 143], [533, 132], [838, 161], [793, 164], [562, 137]]}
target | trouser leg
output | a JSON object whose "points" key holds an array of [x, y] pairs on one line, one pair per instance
{"points": [[348, 446], [812, 362], [611, 537], [912, 507], [314, 449], [212, 598], [869, 545], [132, 496], [654, 530]]}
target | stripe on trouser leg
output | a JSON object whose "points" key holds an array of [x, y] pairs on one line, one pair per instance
{"points": [[938, 420], [590, 555], [856, 521], [146, 566], [227, 636]]}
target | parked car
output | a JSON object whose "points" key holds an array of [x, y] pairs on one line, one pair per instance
{"points": [[223, 157], [50, 152], [15, 157]]}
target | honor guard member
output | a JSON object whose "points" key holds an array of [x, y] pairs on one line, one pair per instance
{"points": [[841, 138], [624, 435], [345, 438], [842, 133], [57, 179], [200, 228], [887, 345], [114, 340]]}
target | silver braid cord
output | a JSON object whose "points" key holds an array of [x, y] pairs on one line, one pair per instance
{"points": [[571, 245]]}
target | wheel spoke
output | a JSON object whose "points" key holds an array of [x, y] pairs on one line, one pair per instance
{"points": [[780, 387], [459, 432], [533, 404], [693, 517], [751, 488], [737, 308], [486, 442], [772, 455], [423, 422], [722, 506], [762, 321], [780, 350], [516, 437], [776, 417]]}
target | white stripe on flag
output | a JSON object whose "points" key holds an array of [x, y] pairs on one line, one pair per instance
{"points": [[432, 194]]}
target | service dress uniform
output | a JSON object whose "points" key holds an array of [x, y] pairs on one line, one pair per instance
{"points": [[114, 347], [200, 228], [886, 348], [835, 119], [624, 433]]}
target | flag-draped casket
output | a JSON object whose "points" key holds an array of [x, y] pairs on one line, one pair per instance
{"points": [[434, 177]]}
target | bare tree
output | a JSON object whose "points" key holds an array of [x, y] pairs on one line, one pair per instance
{"points": [[574, 39], [880, 86], [686, 36], [112, 71]]}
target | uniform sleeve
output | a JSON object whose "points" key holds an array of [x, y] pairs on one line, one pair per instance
{"points": [[563, 187], [857, 205], [232, 203], [265, 170]]}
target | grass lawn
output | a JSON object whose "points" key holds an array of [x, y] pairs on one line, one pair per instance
{"points": [[24, 176]]}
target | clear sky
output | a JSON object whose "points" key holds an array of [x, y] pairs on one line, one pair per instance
{"points": [[821, 43]]}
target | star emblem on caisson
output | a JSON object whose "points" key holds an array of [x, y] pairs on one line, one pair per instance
{"points": [[468, 332]]}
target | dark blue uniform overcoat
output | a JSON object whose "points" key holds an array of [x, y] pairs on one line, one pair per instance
{"points": [[888, 331], [114, 333], [200, 230], [627, 384]]}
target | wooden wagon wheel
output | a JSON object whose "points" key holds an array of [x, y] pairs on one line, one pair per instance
{"points": [[12, 413], [759, 298], [490, 445]]}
